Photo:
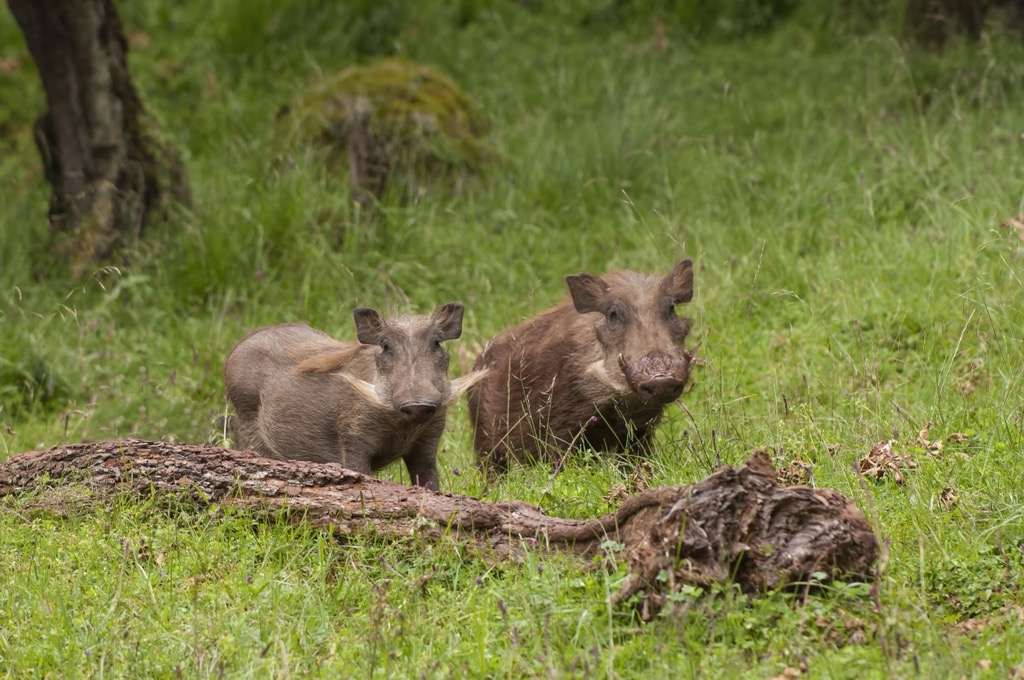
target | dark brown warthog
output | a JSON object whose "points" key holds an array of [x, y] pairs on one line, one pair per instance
{"points": [[596, 369], [299, 394]]}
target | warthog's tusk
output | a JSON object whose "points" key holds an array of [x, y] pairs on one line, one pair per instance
{"points": [[599, 370], [367, 390]]}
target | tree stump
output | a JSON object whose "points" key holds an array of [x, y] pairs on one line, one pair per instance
{"points": [[737, 525]]}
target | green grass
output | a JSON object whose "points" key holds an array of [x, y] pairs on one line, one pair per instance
{"points": [[842, 198]]}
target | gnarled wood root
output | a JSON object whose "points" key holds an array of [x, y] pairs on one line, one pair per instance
{"points": [[738, 524]]}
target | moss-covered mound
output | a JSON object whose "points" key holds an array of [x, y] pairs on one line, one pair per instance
{"points": [[392, 122]]}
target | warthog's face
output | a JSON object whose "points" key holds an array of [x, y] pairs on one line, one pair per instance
{"points": [[640, 335], [412, 364]]}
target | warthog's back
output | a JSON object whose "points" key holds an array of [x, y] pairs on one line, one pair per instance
{"points": [[265, 352], [279, 407]]}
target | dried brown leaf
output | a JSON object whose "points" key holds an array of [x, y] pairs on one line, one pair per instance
{"points": [[922, 435], [788, 673], [616, 494], [972, 626], [949, 497], [957, 437], [797, 472], [1011, 616], [143, 552], [932, 447], [636, 482], [882, 461], [882, 450]]}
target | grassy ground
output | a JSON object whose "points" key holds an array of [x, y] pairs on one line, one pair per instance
{"points": [[842, 197]]}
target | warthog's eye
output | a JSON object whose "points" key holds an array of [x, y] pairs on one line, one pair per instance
{"points": [[385, 345], [437, 343], [613, 315]]}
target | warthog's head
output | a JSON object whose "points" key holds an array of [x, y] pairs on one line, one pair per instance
{"points": [[411, 374], [640, 335]]}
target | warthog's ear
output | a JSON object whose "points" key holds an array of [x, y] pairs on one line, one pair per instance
{"points": [[678, 284], [448, 319], [588, 292], [369, 325]]}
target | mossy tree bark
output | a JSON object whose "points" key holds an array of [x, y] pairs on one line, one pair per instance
{"points": [[109, 172], [737, 525]]}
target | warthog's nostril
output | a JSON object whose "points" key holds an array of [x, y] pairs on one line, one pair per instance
{"points": [[418, 412], [660, 389]]}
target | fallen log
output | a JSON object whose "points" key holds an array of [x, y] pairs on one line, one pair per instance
{"points": [[738, 524]]}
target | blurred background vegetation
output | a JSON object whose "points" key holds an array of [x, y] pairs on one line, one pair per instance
{"points": [[770, 138], [759, 135]]}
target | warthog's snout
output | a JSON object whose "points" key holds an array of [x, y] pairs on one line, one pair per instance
{"points": [[657, 377], [661, 390], [417, 412]]}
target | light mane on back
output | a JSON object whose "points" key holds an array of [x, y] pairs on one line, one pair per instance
{"points": [[335, 360]]}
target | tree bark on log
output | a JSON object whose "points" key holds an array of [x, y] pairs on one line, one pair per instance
{"points": [[738, 524], [108, 170]]}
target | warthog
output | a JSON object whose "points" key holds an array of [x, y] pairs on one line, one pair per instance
{"points": [[301, 395], [596, 369]]}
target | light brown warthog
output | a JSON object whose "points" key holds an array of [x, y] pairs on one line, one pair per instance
{"points": [[597, 369], [299, 394]]}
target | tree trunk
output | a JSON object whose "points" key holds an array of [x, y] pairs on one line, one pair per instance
{"points": [[737, 524], [930, 23], [108, 171]]}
